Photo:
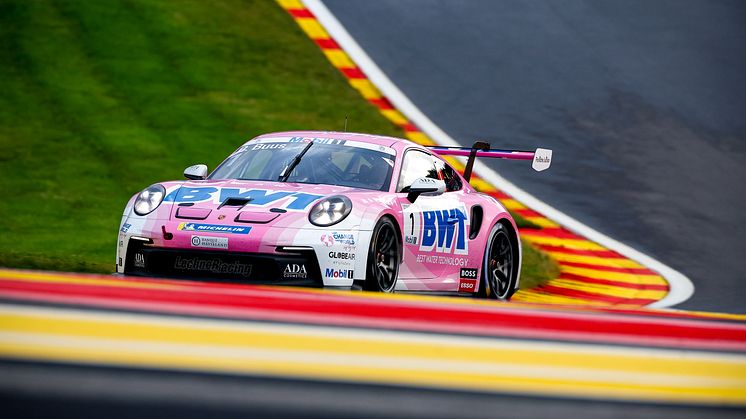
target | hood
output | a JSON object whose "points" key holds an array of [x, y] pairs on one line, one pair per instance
{"points": [[250, 201]]}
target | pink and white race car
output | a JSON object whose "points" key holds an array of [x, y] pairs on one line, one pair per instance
{"points": [[329, 209]]}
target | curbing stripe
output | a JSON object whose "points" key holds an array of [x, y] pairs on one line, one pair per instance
{"points": [[371, 356], [365, 76], [614, 283], [563, 257], [643, 271]]}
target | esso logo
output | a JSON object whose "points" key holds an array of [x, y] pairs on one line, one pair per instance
{"points": [[468, 285]]}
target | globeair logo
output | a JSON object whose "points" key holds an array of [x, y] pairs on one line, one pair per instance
{"points": [[444, 232]]}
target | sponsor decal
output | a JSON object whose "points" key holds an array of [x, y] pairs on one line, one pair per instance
{"points": [[327, 239], [210, 242], [331, 141], [269, 146], [125, 227], [437, 231], [442, 260], [342, 255], [215, 265], [344, 238], [469, 273], [214, 228], [444, 231], [294, 270], [256, 197], [221, 217], [139, 260], [468, 285], [338, 273]]}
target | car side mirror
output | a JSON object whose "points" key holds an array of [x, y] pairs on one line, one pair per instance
{"points": [[196, 172], [427, 186]]}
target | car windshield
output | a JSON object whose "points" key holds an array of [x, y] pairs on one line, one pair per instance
{"points": [[323, 163]]}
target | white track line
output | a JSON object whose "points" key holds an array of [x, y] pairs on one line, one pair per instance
{"points": [[681, 288]]}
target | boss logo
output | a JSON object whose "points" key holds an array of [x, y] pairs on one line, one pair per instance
{"points": [[469, 273]]}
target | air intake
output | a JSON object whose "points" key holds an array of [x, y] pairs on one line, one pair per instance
{"points": [[234, 202]]}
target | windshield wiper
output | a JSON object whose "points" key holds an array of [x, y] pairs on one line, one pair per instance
{"points": [[285, 174]]}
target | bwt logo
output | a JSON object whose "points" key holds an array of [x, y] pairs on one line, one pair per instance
{"points": [[258, 197], [444, 232], [338, 273]]}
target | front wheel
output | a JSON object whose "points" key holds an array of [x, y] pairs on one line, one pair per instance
{"points": [[500, 266], [383, 258]]}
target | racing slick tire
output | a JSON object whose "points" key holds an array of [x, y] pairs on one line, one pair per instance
{"points": [[499, 268], [383, 258]]}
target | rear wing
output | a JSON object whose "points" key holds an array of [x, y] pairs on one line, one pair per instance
{"points": [[541, 157]]}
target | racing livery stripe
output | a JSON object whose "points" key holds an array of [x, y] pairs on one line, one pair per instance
{"points": [[585, 260]]}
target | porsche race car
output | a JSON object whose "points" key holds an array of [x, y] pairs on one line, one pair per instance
{"points": [[329, 209]]}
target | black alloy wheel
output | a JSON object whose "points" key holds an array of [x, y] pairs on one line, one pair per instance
{"points": [[500, 272], [383, 258]]}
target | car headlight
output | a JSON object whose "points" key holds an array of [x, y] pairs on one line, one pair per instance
{"points": [[149, 199], [330, 211]]}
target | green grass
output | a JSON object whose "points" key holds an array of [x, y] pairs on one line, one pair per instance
{"points": [[102, 98], [537, 268]]}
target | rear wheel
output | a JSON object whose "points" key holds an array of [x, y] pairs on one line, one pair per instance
{"points": [[383, 258], [500, 266]]}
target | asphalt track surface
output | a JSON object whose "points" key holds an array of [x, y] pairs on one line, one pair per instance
{"points": [[45, 390], [643, 103]]}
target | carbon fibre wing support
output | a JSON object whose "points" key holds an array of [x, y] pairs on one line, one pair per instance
{"points": [[541, 158]]}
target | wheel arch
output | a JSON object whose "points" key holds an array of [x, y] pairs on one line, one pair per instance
{"points": [[514, 237], [397, 230]]}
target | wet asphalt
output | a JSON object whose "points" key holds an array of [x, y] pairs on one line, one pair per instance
{"points": [[643, 102]]}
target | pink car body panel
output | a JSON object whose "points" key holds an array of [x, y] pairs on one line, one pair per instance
{"points": [[428, 263]]}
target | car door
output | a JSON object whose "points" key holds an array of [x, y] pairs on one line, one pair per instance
{"points": [[434, 231]]}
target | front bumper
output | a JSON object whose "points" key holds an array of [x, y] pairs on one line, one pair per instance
{"points": [[299, 267]]}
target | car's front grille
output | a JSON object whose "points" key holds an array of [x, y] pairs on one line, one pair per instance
{"points": [[297, 268]]}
